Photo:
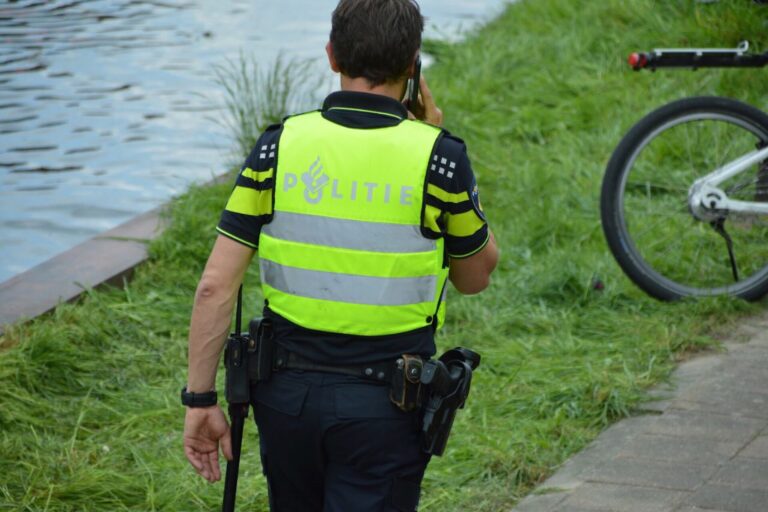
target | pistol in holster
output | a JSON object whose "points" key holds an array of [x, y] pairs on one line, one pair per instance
{"points": [[448, 381]]}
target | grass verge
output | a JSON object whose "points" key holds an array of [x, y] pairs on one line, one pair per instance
{"points": [[89, 413]]}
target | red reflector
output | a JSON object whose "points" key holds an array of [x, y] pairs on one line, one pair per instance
{"points": [[638, 60]]}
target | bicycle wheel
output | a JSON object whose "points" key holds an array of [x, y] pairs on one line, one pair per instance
{"points": [[645, 212]]}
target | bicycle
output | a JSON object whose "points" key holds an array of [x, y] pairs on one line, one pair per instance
{"points": [[686, 189]]}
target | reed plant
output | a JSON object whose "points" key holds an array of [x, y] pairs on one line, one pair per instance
{"points": [[256, 96], [89, 411]]}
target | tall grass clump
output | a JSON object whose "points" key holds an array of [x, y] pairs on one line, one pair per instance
{"points": [[256, 96], [89, 410]]}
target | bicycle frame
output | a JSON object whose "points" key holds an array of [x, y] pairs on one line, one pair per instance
{"points": [[704, 196], [706, 200]]}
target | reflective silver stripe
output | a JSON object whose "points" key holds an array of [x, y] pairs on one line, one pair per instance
{"points": [[376, 291], [348, 234]]}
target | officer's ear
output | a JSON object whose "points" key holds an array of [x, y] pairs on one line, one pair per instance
{"points": [[332, 58]]}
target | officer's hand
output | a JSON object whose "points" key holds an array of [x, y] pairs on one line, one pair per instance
{"points": [[204, 428], [426, 110]]}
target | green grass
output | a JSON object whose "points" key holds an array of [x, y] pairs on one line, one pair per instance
{"points": [[89, 413]]}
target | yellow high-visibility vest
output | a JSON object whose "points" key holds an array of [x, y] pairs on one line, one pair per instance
{"points": [[345, 252]]}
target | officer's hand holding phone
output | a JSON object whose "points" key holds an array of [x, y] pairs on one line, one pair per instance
{"points": [[412, 89], [422, 106], [431, 113]]}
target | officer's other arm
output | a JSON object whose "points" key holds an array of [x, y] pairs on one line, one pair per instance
{"points": [[473, 274], [206, 427], [211, 314]]}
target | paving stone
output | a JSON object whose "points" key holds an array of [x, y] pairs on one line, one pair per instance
{"points": [[624, 498], [728, 378], [740, 405], [759, 321], [571, 473], [603, 449], [760, 339], [737, 376], [695, 369], [705, 425], [651, 473], [657, 406], [751, 332], [689, 508], [575, 508], [721, 497], [660, 398], [744, 474], [540, 502], [677, 449], [757, 449], [707, 450], [732, 380], [749, 358]]}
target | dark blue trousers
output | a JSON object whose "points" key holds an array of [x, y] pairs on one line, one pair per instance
{"points": [[335, 443]]}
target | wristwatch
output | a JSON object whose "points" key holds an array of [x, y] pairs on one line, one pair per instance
{"points": [[198, 399]]}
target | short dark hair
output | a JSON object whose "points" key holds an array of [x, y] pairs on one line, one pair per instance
{"points": [[376, 39]]}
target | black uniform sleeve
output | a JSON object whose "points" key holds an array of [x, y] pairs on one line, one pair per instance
{"points": [[250, 204], [452, 200]]}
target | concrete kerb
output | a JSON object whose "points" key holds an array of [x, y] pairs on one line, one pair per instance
{"points": [[108, 258]]}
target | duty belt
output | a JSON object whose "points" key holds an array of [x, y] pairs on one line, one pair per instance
{"points": [[380, 372], [440, 386]]}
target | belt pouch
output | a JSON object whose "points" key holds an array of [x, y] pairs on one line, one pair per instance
{"points": [[406, 390]]}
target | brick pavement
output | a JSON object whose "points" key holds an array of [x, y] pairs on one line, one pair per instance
{"points": [[701, 446]]}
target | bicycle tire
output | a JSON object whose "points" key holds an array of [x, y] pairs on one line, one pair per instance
{"points": [[650, 229]]}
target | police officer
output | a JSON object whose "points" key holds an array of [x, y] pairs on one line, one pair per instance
{"points": [[360, 216]]}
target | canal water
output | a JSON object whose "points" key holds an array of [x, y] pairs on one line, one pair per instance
{"points": [[108, 108]]}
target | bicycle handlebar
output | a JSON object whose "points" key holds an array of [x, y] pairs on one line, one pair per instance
{"points": [[698, 58]]}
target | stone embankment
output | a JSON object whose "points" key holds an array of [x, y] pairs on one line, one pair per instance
{"points": [[107, 258]]}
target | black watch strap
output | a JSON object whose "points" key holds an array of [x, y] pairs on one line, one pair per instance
{"points": [[198, 399]]}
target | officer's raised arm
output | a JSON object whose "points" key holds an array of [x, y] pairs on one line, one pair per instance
{"points": [[454, 212]]}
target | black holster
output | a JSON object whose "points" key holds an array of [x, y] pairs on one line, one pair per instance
{"points": [[448, 380]]}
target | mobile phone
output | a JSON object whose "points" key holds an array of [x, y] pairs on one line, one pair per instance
{"points": [[413, 86]]}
